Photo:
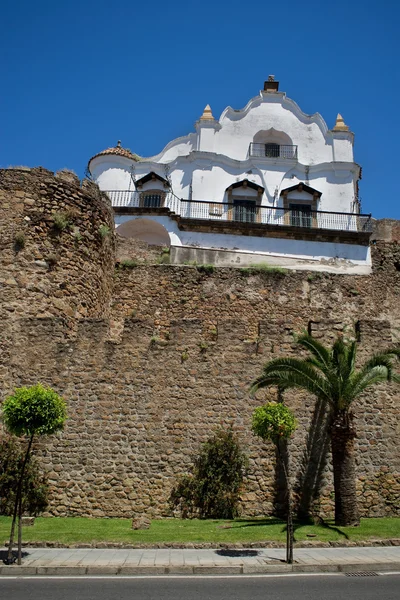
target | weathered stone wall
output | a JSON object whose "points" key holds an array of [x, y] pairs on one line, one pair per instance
{"points": [[55, 259], [172, 355]]}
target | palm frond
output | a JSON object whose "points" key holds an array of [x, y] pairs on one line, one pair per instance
{"points": [[365, 379], [329, 374], [381, 359], [289, 373], [318, 350]]}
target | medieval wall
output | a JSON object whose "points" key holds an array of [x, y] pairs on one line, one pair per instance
{"points": [[168, 353], [56, 244]]}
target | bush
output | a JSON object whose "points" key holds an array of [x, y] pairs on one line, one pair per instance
{"points": [[261, 268], [34, 490], [212, 490], [19, 240], [104, 231], [208, 269], [128, 263], [61, 221]]}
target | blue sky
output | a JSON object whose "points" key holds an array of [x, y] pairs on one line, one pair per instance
{"points": [[78, 76]]}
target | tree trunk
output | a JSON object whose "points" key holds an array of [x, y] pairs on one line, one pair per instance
{"points": [[344, 476], [19, 559], [282, 455], [10, 559]]}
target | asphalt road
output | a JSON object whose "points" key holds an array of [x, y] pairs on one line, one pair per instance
{"points": [[333, 587]]}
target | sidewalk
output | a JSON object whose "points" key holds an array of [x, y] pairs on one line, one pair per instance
{"points": [[83, 561]]}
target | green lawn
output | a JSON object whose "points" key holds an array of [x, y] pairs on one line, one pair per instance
{"points": [[82, 530]]}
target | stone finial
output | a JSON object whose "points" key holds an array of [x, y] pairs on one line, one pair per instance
{"points": [[207, 114], [119, 144], [340, 125], [271, 77]]}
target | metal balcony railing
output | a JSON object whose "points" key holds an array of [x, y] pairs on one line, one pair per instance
{"points": [[273, 151], [241, 211]]}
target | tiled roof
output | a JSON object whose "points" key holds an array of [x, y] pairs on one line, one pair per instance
{"points": [[117, 150]]}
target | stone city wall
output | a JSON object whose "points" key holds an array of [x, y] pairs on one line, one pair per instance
{"points": [[168, 354], [57, 245]]}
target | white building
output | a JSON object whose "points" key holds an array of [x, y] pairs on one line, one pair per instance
{"points": [[266, 183]]}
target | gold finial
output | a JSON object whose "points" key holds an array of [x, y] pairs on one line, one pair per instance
{"points": [[207, 114], [340, 125]]}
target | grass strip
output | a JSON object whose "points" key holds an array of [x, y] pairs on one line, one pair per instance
{"points": [[69, 530]]}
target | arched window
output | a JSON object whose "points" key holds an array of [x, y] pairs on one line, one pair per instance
{"points": [[152, 188], [272, 143], [300, 202], [244, 200]]}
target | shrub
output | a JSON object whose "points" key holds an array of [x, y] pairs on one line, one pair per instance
{"points": [[19, 240], [262, 268], [163, 259], [213, 488], [34, 488], [104, 231], [206, 269], [127, 263], [76, 234], [61, 221]]}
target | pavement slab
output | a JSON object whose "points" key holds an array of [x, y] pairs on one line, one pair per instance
{"points": [[153, 561]]}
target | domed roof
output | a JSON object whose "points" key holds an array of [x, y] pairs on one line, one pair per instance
{"points": [[117, 150]]}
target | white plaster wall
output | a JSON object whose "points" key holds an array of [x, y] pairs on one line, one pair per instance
{"points": [[111, 175], [342, 147], [211, 175], [179, 147], [238, 130], [324, 159], [308, 250]]}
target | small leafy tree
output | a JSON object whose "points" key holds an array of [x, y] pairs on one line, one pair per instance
{"points": [[30, 411], [213, 488], [276, 422], [34, 487]]}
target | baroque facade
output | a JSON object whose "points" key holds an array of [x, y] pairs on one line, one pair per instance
{"points": [[266, 183]]}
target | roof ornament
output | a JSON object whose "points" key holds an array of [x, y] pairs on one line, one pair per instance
{"points": [[207, 114], [340, 125], [118, 144], [271, 85]]}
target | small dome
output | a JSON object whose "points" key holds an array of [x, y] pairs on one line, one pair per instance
{"points": [[117, 150]]}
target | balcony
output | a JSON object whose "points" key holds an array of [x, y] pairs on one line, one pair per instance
{"points": [[273, 151], [243, 214]]}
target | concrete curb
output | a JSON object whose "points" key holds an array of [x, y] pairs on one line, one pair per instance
{"points": [[65, 571]]}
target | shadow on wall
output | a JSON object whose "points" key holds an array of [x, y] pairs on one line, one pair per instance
{"points": [[145, 230], [309, 478]]}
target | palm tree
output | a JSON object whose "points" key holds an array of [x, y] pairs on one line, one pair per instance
{"points": [[331, 375]]}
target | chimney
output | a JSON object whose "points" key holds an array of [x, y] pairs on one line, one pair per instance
{"points": [[271, 85]]}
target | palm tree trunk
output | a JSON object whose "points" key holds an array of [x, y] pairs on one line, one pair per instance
{"points": [[344, 473]]}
